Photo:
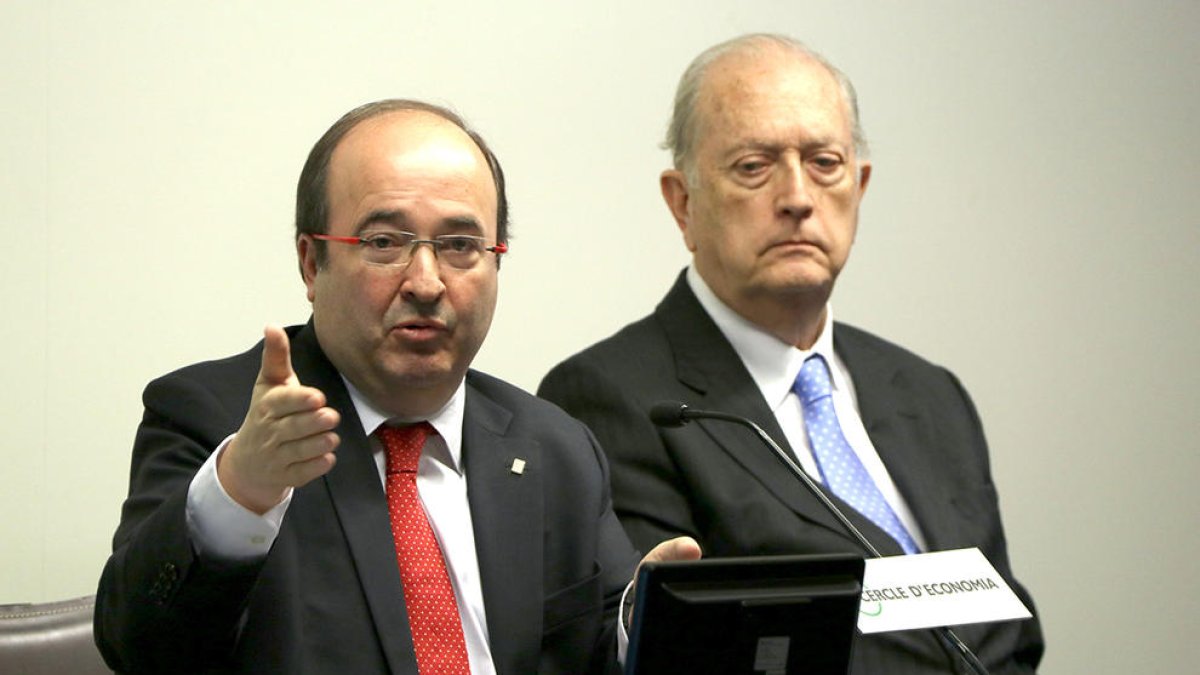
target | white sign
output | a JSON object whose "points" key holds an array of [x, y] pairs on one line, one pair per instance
{"points": [[945, 588]]}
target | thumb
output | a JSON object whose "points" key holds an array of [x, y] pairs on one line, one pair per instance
{"points": [[679, 548], [276, 358]]}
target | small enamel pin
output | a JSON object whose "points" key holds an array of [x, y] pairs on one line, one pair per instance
{"points": [[518, 466]]}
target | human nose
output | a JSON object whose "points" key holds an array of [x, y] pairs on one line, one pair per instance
{"points": [[793, 196], [422, 276]]}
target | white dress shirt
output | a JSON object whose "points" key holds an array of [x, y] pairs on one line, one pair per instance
{"points": [[774, 365], [221, 528]]}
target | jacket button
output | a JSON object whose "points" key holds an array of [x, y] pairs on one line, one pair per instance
{"points": [[168, 574]]}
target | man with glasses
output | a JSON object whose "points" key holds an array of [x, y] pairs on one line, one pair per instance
{"points": [[348, 496], [769, 170]]}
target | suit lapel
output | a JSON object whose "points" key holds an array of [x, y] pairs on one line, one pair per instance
{"points": [[708, 365], [506, 511], [898, 430], [360, 505]]}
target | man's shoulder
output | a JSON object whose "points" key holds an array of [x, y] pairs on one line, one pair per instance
{"points": [[851, 341], [252, 354], [219, 368], [867, 354], [638, 352], [510, 411], [513, 399], [232, 375], [644, 333]]}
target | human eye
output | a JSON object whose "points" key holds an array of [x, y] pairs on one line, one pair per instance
{"points": [[827, 166], [460, 244], [827, 161], [751, 170], [386, 241], [751, 166]]}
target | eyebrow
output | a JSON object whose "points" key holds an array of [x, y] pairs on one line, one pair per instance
{"points": [[394, 218], [760, 145], [400, 220], [751, 144], [458, 224]]}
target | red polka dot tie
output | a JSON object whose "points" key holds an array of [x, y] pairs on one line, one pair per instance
{"points": [[432, 612]]}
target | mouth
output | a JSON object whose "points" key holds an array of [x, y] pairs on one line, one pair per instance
{"points": [[419, 330], [795, 246]]}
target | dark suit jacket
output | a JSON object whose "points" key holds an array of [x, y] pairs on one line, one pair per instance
{"points": [[327, 599], [715, 481]]}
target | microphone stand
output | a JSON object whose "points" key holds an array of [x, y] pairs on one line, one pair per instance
{"points": [[678, 414]]}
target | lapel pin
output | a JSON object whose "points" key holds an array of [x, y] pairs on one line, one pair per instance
{"points": [[518, 466]]}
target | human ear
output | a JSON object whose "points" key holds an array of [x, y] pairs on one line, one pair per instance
{"points": [[674, 186]]}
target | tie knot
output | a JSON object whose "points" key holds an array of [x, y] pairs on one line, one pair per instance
{"points": [[403, 445], [813, 381]]}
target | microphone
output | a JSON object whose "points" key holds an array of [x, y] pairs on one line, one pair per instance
{"points": [[676, 414], [670, 414]]}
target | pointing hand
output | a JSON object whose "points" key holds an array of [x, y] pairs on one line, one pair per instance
{"points": [[287, 438]]}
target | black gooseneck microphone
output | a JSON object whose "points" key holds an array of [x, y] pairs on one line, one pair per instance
{"points": [[676, 414]]}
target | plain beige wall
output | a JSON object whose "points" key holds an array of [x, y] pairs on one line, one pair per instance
{"points": [[1031, 224]]}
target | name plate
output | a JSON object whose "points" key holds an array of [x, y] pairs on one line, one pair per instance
{"points": [[944, 588]]}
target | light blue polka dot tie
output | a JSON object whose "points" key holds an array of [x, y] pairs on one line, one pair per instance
{"points": [[840, 467]]}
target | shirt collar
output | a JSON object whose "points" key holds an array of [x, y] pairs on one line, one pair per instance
{"points": [[773, 363], [448, 422]]}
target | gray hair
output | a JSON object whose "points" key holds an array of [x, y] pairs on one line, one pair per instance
{"points": [[681, 132]]}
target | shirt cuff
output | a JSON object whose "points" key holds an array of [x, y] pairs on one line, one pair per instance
{"points": [[222, 529], [622, 631]]}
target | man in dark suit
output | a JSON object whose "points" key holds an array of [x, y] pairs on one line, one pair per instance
{"points": [[769, 171], [347, 495]]}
